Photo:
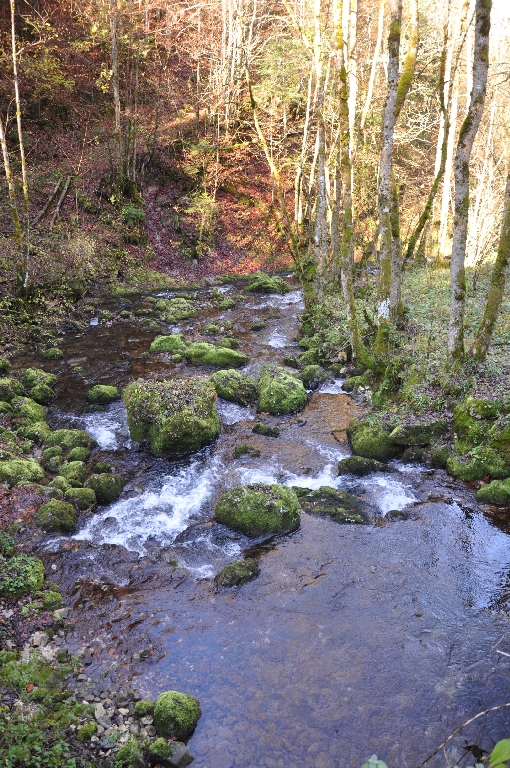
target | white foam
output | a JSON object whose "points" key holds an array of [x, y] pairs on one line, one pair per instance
{"points": [[332, 387], [94, 321], [277, 340], [231, 413], [160, 515], [108, 428], [388, 493]]}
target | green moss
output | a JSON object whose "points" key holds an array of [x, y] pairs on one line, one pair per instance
{"points": [[54, 353], [175, 416], [228, 342], [34, 376], [9, 389], [144, 707], [78, 454], [107, 487], [238, 573], [52, 458], [86, 731], [497, 492], [259, 509], [5, 408], [37, 431], [418, 434], [129, 756], [176, 715], [101, 467], [313, 376], [19, 470], [236, 387], [267, 430], [42, 394], [467, 468], [356, 383], [338, 505], [56, 516], [259, 325], [5, 366], [261, 282], [75, 472], [308, 358], [176, 309], [81, 498], [27, 409], [468, 427], [210, 329], [60, 483], [371, 442], [243, 449], [69, 439], [7, 547], [203, 353], [499, 438], [280, 392], [172, 343], [20, 575], [102, 394], [358, 465], [439, 456], [159, 751]]}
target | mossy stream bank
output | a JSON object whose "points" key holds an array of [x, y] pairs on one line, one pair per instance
{"points": [[378, 634]]}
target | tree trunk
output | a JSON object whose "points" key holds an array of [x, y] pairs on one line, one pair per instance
{"points": [[497, 286], [373, 68], [116, 95], [18, 232], [467, 136], [384, 192]]}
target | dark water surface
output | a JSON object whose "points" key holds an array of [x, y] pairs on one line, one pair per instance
{"points": [[353, 640]]}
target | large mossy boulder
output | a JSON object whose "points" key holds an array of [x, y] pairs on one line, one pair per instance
{"points": [[21, 575], [259, 509], [418, 434], [75, 472], [20, 470], [237, 573], [175, 309], [103, 394], [57, 516], [175, 416], [472, 422], [371, 442], [203, 353], [172, 343], [9, 389], [499, 438], [37, 431], [28, 410], [176, 715], [497, 493], [68, 439], [477, 464], [360, 466], [81, 498], [42, 394], [340, 506], [313, 376], [107, 487], [52, 458], [279, 392], [34, 376], [261, 282], [236, 387]]}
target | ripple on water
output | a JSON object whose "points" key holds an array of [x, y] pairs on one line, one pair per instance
{"points": [[230, 413], [108, 428]]}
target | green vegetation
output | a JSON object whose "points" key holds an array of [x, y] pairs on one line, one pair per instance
{"points": [[173, 343], [106, 486], [203, 353], [20, 575], [176, 715], [279, 392], [236, 387], [102, 394], [258, 509], [58, 516], [20, 470], [236, 574], [260, 282]]}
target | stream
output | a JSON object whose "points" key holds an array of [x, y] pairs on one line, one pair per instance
{"points": [[354, 639]]}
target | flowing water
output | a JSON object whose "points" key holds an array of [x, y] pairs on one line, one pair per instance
{"points": [[353, 639]]}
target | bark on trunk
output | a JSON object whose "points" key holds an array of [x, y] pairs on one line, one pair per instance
{"points": [[119, 171], [467, 136], [18, 233], [497, 286]]}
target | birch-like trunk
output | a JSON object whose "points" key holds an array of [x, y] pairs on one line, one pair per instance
{"points": [[467, 136], [18, 232], [119, 170], [497, 287], [384, 191], [373, 68]]}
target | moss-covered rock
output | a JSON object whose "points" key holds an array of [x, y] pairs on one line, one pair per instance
{"points": [[130, 755], [210, 329], [81, 498], [102, 394], [418, 434], [159, 751], [236, 387], [313, 376], [20, 575], [107, 487], [20, 470], [476, 464], [69, 439], [5, 366], [5, 408], [243, 449], [34, 376], [499, 438], [176, 715], [144, 707], [37, 431], [59, 483], [309, 357], [53, 353], [360, 466], [42, 394], [7, 547], [228, 342], [266, 430], [497, 492], [175, 416], [28, 410], [259, 509], [51, 600], [172, 343], [279, 392], [101, 467], [261, 282], [9, 389], [357, 383], [371, 442], [52, 458], [59, 516], [86, 731], [203, 353], [439, 455], [238, 573], [79, 454], [75, 472], [470, 428], [175, 309], [338, 505]]}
